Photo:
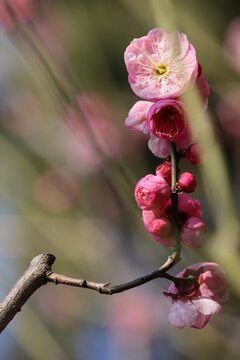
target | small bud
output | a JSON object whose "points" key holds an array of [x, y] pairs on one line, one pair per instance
{"points": [[187, 182], [165, 171], [160, 227]]}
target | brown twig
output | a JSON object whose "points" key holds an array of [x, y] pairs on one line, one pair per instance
{"points": [[40, 273]]}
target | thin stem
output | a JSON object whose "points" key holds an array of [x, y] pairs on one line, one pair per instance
{"points": [[105, 288], [174, 200]]}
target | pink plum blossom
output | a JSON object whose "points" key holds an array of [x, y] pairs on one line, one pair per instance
{"points": [[187, 182], [136, 120], [137, 116], [157, 222], [194, 302], [165, 170], [152, 192], [149, 215], [187, 207], [12, 11], [192, 233], [158, 226], [167, 120], [161, 65], [160, 229]]}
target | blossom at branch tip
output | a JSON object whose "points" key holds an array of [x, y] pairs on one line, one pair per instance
{"points": [[161, 65], [167, 119], [194, 302], [152, 192]]}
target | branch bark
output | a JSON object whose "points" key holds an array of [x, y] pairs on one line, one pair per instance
{"points": [[40, 273], [32, 279]]}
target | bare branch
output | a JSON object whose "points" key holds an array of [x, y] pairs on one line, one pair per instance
{"points": [[40, 273]]}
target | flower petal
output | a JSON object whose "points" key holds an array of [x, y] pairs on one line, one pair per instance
{"points": [[159, 147], [206, 306], [182, 313]]}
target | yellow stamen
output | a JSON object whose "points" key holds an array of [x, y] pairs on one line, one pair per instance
{"points": [[160, 69]]}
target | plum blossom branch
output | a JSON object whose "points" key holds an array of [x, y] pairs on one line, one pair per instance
{"points": [[40, 273]]}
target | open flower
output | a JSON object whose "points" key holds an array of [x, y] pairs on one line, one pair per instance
{"points": [[167, 120], [194, 302], [160, 147], [161, 65]]}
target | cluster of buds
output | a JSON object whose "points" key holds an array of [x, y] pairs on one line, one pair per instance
{"points": [[161, 67], [153, 196]]}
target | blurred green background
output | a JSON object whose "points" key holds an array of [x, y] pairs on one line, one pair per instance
{"points": [[67, 179]]}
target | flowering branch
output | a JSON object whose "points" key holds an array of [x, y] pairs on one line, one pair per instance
{"points": [[40, 273]]}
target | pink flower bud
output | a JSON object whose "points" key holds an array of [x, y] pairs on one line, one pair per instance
{"points": [[167, 120], [192, 233], [187, 182], [152, 192], [193, 305], [187, 207], [149, 215], [160, 227], [165, 170], [192, 154]]}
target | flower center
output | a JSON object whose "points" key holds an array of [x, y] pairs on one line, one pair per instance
{"points": [[160, 69]]}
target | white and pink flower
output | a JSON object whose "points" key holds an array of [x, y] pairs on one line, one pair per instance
{"points": [[194, 302], [161, 65]]}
